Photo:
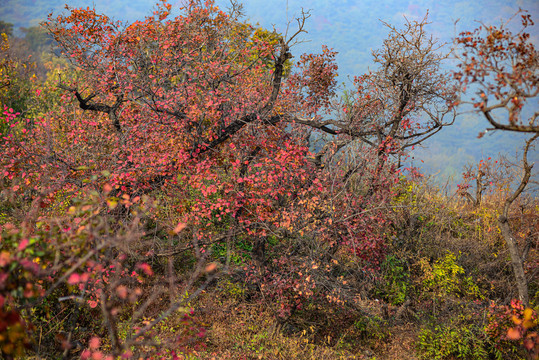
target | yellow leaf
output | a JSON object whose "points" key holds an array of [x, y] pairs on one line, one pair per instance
{"points": [[528, 314], [516, 320], [112, 203], [528, 324]]}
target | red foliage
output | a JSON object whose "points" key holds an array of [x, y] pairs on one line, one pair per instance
{"points": [[181, 109], [513, 323], [504, 65]]}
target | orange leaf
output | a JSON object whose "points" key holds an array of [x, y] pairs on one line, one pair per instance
{"points": [[211, 267], [107, 188], [179, 227], [513, 334]]}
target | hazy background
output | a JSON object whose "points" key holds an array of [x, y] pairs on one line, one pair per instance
{"points": [[353, 28]]}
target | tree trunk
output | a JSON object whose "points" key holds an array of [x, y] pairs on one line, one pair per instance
{"points": [[516, 259], [258, 253], [516, 262]]}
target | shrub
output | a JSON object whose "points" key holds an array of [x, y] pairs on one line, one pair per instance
{"points": [[396, 280], [453, 341], [447, 278]]}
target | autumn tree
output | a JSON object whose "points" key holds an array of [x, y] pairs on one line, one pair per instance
{"points": [[501, 67], [176, 108], [404, 101], [204, 112]]}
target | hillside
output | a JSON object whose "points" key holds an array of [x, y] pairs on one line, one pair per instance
{"points": [[191, 186]]}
